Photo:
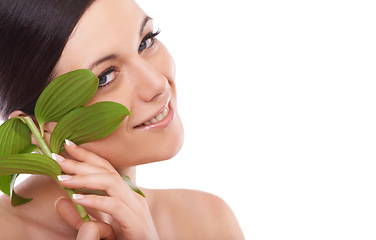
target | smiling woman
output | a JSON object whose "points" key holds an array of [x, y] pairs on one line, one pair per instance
{"points": [[116, 40], [134, 69]]}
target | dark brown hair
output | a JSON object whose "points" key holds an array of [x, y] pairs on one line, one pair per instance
{"points": [[33, 34]]}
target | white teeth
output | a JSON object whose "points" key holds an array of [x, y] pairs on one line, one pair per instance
{"points": [[157, 118]]}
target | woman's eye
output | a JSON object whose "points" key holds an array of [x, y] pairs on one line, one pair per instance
{"points": [[146, 44], [107, 76], [148, 41]]}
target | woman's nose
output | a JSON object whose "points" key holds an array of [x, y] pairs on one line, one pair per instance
{"points": [[149, 83]]}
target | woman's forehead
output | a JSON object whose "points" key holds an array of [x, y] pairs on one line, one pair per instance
{"points": [[109, 16], [105, 26]]}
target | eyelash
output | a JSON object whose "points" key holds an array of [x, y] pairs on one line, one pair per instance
{"points": [[150, 35], [106, 72]]}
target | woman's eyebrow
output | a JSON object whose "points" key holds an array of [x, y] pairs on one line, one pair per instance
{"points": [[146, 19], [113, 56], [106, 58]]}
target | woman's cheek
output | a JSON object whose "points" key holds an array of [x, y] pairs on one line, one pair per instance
{"points": [[164, 63]]}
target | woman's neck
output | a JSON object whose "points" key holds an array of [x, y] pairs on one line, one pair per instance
{"points": [[130, 172]]}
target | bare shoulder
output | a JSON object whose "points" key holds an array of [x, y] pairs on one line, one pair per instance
{"points": [[9, 227], [207, 214], [21, 221]]}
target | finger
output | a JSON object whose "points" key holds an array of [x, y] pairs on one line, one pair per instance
{"points": [[113, 206], [86, 230], [70, 166], [111, 183], [95, 231], [134, 222], [83, 155], [68, 212]]}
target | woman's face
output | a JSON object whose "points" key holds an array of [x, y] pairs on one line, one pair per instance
{"points": [[115, 39]]}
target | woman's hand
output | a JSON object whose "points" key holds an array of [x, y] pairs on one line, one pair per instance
{"points": [[86, 230], [127, 208]]}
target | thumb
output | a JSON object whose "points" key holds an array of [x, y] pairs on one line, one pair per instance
{"points": [[86, 230], [95, 231], [68, 212]]}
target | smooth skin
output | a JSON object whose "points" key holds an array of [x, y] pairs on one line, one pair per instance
{"points": [[114, 39]]}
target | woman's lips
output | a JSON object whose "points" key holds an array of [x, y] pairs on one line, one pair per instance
{"points": [[161, 120], [158, 118]]}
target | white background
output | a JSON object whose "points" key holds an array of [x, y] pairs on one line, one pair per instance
{"points": [[278, 103]]}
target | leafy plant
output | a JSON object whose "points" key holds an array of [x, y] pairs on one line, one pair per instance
{"points": [[61, 101]]}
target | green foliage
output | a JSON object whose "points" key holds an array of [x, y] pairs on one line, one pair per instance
{"points": [[15, 198], [5, 181], [87, 124], [61, 101], [29, 163], [132, 186], [65, 93], [15, 137]]}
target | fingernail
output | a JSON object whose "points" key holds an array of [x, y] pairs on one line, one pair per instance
{"points": [[70, 143], [57, 157], [64, 177], [78, 196], [58, 200]]}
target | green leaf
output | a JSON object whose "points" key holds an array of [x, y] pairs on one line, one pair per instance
{"points": [[67, 92], [132, 186], [87, 124], [14, 138], [16, 199], [32, 148], [30, 163], [5, 181]]}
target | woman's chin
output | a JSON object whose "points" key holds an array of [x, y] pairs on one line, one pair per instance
{"points": [[166, 152]]}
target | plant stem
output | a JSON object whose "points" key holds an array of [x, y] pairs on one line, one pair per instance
{"points": [[81, 210], [46, 150], [43, 145]]}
